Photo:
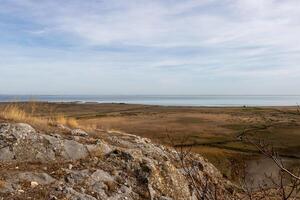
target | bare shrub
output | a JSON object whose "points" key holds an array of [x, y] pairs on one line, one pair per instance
{"points": [[203, 186], [286, 186]]}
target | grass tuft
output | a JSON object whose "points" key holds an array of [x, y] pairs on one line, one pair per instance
{"points": [[18, 113], [72, 122]]}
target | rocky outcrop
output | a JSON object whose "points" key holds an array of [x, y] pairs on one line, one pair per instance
{"points": [[107, 165]]}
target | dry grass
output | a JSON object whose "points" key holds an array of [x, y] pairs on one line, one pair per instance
{"points": [[15, 113], [18, 113], [70, 122], [2, 183], [200, 125]]}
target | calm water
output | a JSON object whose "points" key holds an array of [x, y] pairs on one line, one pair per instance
{"points": [[178, 100]]}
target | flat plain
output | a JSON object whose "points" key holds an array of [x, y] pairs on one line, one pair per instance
{"points": [[211, 131]]}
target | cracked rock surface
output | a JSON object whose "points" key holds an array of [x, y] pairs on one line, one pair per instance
{"points": [[107, 165]]}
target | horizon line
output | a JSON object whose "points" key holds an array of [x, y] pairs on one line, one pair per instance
{"points": [[149, 94]]}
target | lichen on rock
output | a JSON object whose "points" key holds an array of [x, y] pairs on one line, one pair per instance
{"points": [[111, 166]]}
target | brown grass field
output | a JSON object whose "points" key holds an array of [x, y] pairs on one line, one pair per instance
{"points": [[210, 131]]}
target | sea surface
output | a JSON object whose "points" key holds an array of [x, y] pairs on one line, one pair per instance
{"points": [[166, 100]]}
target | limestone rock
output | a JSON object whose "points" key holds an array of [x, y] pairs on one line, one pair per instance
{"points": [[79, 132], [115, 166]]}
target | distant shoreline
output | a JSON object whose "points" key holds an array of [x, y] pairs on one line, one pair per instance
{"points": [[150, 105], [165, 100]]}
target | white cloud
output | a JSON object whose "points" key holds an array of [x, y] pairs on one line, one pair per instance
{"points": [[175, 23], [214, 38]]}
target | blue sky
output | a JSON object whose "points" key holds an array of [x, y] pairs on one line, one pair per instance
{"points": [[149, 47]]}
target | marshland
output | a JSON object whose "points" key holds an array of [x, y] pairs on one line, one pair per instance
{"points": [[213, 132]]}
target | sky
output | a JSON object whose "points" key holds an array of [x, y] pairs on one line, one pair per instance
{"points": [[150, 47]]}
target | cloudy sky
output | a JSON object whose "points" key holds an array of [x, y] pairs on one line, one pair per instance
{"points": [[149, 47]]}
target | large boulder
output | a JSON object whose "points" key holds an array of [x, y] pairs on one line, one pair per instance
{"points": [[20, 142]]}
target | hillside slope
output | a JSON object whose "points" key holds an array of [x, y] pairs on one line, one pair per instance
{"points": [[73, 164]]}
